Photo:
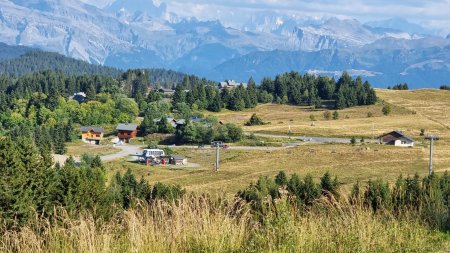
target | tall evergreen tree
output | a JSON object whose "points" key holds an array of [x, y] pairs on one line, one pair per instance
{"points": [[252, 93]]}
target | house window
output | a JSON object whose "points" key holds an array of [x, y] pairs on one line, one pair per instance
{"points": [[98, 135]]}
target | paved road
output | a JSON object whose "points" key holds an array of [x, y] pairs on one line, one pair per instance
{"points": [[125, 151], [290, 145], [310, 139]]}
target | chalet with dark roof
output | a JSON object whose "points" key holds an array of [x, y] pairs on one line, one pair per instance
{"points": [[166, 92], [80, 97], [396, 138], [126, 132]]}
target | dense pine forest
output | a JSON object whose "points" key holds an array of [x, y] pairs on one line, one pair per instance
{"points": [[289, 88], [35, 61]]}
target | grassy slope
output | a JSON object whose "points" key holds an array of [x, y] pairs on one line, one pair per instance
{"points": [[411, 111], [349, 163]]}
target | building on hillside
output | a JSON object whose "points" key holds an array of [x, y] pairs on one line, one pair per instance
{"points": [[396, 138], [175, 123], [126, 132], [171, 121], [178, 160], [80, 97], [92, 135], [230, 84], [166, 92]]}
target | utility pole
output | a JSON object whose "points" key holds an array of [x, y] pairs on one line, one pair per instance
{"points": [[432, 138], [217, 155]]}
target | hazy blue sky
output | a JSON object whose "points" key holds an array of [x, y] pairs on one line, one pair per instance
{"points": [[432, 13]]}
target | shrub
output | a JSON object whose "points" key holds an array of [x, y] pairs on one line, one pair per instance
{"points": [[386, 110], [335, 115], [152, 145], [254, 121], [281, 178], [369, 115], [353, 140]]}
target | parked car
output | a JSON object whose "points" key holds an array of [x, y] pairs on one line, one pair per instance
{"points": [[225, 146], [201, 146]]}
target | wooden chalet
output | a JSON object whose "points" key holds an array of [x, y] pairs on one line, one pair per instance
{"points": [[396, 138], [92, 135], [230, 84], [126, 132], [166, 92]]}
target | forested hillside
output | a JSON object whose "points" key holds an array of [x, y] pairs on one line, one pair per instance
{"points": [[34, 61], [20, 60], [10, 52]]}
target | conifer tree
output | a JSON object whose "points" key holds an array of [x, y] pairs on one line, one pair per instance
{"points": [[59, 139], [281, 178], [91, 92], [216, 104], [148, 125], [179, 96], [16, 205]]}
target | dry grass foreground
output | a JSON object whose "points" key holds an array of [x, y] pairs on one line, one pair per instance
{"points": [[199, 225]]}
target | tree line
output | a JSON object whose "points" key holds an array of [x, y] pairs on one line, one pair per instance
{"points": [[427, 197], [30, 185], [400, 86], [289, 88]]}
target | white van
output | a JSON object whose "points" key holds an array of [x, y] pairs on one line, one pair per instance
{"points": [[151, 154]]}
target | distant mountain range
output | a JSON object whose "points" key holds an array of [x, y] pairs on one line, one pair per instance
{"points": [[137, 33]]}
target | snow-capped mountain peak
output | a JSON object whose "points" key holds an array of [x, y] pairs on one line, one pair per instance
{"points": [[141, 33]]}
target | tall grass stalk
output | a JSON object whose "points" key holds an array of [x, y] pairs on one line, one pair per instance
{"points": [[198, 224]]}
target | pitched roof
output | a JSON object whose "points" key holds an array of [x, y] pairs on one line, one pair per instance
{"points": [[399, 134], [178, 157], [231, 84], [166, 90], [126, 127], [94, 129], [180, 121], [80, 94]]}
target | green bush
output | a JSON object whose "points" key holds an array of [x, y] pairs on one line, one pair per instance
{"points": [[254, 121]]}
